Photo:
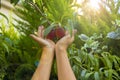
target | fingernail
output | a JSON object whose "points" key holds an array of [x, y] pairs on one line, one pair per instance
{"points": [[75, 30], [30, 35], [41, 26]]}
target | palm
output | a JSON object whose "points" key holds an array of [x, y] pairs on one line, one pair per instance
{"points": [[41, 40], [66, 40]]}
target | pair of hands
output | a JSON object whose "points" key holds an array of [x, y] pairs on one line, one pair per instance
{"points": [[63, 43]]}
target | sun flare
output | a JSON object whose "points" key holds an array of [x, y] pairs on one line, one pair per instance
{"points": [[94, 4]]}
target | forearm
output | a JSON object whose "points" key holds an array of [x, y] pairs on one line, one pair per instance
{"points": [[44, 68], [64, 69]]}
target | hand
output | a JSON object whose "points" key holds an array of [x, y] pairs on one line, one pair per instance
{"points": [[45, 43], [64, 42], [47, 56]]}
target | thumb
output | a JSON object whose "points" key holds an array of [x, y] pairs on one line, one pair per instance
{"points": [[66, 32], [34, 37], [39, 40], [74, 32]]}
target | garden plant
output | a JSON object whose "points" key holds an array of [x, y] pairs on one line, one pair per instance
{"points": [[95, 53]]}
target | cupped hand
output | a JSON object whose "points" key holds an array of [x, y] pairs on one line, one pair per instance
{"points": [[45, 43], [64, 42]]}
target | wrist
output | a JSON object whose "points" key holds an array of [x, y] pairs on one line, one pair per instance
{"points": [[49, 49], [47, 55], [60, 50], [59, 47], [47, 52]]}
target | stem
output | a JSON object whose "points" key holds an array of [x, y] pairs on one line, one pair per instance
{"points": [[37, 8]]}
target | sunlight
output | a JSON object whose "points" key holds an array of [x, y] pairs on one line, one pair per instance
{"points": [[94, 4], [79, 1]]}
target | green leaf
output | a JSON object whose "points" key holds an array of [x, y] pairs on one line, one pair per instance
{"points": [[96, 76], [108, 74], [83, 72], [14, 1], [83, 37], [24, 71], [116, 75], [34, 1], [107, 60], [48, 29], [96, 61], [76, 60], [116, 64], [91, 59], [4, 16], [70, 26], [6, 47], [88, 75], [44, 21]]}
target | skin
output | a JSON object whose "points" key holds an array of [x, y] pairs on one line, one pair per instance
{"points": [[44, 68], [49, 47], [64, 69]]}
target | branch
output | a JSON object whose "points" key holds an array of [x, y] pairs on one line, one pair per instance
{"points": [[37, 8]]}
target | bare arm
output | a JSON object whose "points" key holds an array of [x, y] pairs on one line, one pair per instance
{"points": [[63, 66], [44, 68], [64, 69]]}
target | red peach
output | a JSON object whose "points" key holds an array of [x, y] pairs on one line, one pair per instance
{"points": [[51, 35], [56, 33], [60, 32]]}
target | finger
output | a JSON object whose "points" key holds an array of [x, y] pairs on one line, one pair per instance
{"points": [[34, 37], [38, 39], [40, 28], [66, 32], [39, 31], [42, 33], [74, 32]]}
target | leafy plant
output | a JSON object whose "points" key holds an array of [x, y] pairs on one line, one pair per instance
{"points": [[114, 38], [12, 53], [91, 45], [14, 1], [90, 64], [92, 58], [115, 34]]}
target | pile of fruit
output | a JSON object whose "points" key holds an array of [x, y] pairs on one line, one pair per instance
{"points": [[56, 33]]}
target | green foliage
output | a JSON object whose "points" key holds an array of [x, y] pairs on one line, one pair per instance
{"points": [[24, 71], [1, 14], [98, 21], [58, 11], [13, 54], [43, 12], [90, 64], [114, 38], [115, 34], [91, 58], [14, 1], [30, 18], [92, 44]]}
